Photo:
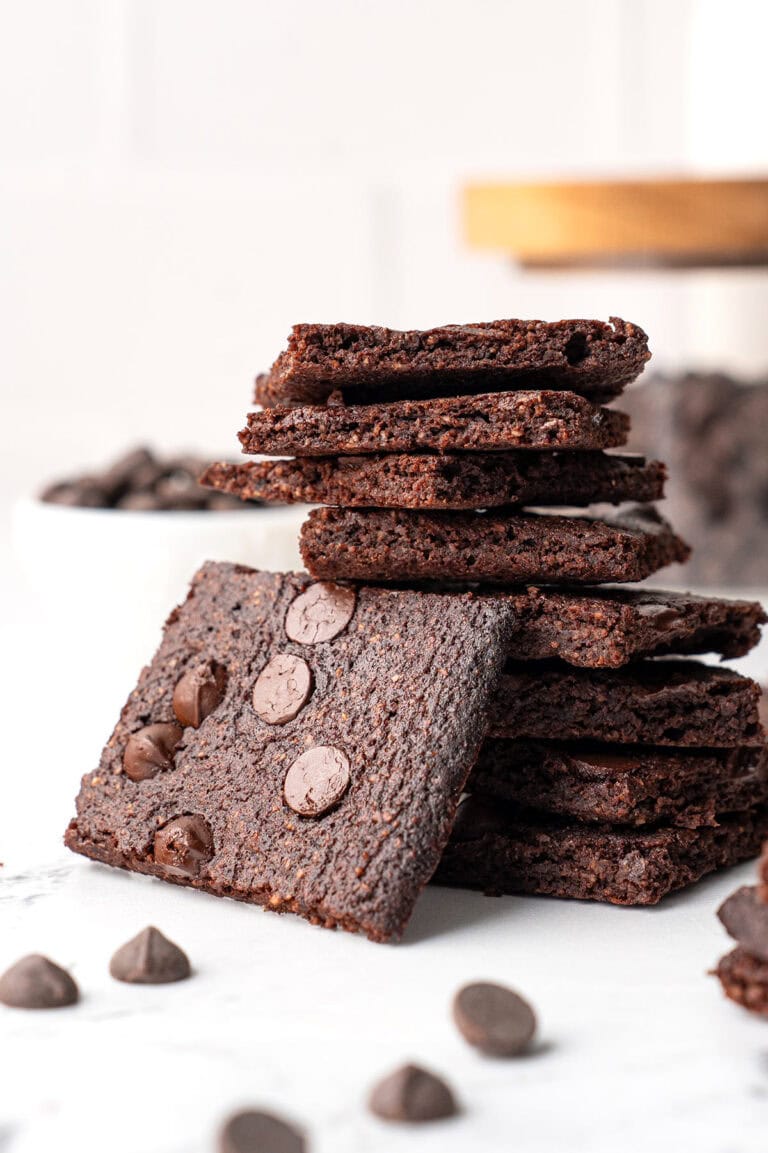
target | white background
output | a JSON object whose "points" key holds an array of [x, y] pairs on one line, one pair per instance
{"points": [[179, 182]]}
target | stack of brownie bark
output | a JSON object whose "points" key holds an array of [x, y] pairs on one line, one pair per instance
{"points": [[439, 458]]}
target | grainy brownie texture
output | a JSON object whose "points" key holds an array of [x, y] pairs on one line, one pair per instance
{"points": [[682, 703], [495, 547], [744, 979], [491, 423], [622, 785], [466, 481], [585, 356], [304, 750], [506, 851], [607, 628]]}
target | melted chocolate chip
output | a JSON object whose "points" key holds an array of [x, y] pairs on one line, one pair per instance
{"points": [[494, 1019], [34, 982], [474, 819], [316, 781], [151, 750], [184, 846], [412, 1094], [320, 613], [199, 692], [149, 958], [283, 688]]}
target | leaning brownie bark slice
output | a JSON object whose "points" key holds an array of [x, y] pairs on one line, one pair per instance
{"points": [[679, 703], [494, 547], [487, 423], [444, 481], [608, 627], [499, 849], [373, 363], [622, 784], [302, 746]]}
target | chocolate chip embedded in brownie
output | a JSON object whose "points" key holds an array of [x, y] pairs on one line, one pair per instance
{"points": [[744, 979], [494, 547], [498, 849], [681, 703], [460, 481], [621, 784], [372, 363], [306, 745], [607, 628], [491, 423]]}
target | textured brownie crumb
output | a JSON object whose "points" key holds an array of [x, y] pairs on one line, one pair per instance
{"points": [[373, 363], [744, 980]]}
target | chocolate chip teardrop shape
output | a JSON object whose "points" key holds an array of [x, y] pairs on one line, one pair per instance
{"points": [[412, 1094], [151, 750], [199, 692], [149, 958], [35, 982], [256, 1132], [494, 1019]]}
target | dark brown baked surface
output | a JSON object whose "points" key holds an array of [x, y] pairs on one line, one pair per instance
{"points": [[620, 784], [336, 806], [501, 849], [372, 363], [678, 703], [607, 627], [492, 422], [744, 979], [451, 481], [494, 547]]}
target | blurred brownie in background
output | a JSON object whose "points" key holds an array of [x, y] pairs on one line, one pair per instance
{"points": [[712, 431]]}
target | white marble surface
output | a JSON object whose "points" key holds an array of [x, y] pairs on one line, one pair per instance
{"points": [[638, 1048]]}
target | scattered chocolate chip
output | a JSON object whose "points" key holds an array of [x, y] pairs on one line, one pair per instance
{"points": [[494, 1019], [412, 1094], [151, 750], [474, 819], [320, 613], [745, 918], [76, 494], [34, 982], [283, 687], [316, 781], [184, 846], [199, 692], [149, 958], [253, 1132], [762, 864]]}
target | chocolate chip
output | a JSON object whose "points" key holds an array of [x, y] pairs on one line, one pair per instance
{"points": [[34, 982], [475, 819], [149, 958], [199, 692], [745, 918], [184, 846], [320, 613], [283, 688], [412, 1094], [151, 750], [252, 1132], [762, 864], [494, 1019], [316, 781]]}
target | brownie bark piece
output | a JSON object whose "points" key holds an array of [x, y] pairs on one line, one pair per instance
{"points": [[373, 363], [486, 423], [433, 481], [680, 703], [493, 547], [622, 785], [501, 849], [744, 979], [607, 628], [318, 775]]}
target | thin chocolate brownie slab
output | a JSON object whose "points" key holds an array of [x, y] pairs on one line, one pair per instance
{"points": [[500, 849], [492, 547], [607, 628], [681, 703], [467, 481], [301, 746], [622, 785], [744, 979], [493, 422], [372, 363]]}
